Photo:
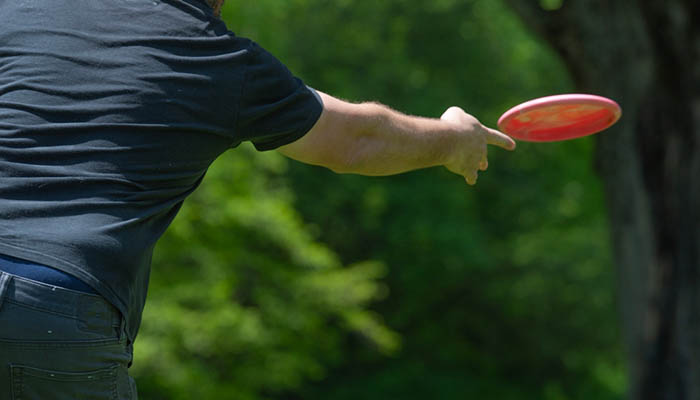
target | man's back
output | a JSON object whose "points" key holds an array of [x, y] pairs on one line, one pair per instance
{"points": [[110, 114]]}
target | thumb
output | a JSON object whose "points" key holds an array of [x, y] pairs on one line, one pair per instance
{"points": [[499, 139]]}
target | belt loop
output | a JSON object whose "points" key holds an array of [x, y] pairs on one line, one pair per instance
{"points": [[4, 283], [122, 326], [129, 344]]}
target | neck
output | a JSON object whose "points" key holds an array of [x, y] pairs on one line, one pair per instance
{"points": [[216, 6]]}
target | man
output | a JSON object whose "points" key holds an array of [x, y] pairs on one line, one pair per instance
{"points": [[110, 114]]}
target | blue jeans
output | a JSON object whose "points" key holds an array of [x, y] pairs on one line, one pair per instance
{"points": [[58, 343]]}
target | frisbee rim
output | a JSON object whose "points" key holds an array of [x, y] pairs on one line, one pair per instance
{"points": [[603, 103]]}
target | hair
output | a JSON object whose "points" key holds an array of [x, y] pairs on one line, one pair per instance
{"points": [[216, 6]]}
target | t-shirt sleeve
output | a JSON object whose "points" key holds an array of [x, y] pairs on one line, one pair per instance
{"points": [[275, 107]]}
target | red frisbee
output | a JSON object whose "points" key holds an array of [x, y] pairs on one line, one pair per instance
{"points": [[561, 117]]}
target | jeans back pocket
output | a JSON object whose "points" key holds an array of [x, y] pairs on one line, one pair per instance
{"points": [[39, 384]]}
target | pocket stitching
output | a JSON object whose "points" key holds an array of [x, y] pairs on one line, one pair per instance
{"points": [[19, 371]]}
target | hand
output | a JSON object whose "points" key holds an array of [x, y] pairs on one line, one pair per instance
{"points": [[469, 156]]}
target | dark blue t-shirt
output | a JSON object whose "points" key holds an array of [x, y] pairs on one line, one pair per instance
{"points": [[110, 114]]}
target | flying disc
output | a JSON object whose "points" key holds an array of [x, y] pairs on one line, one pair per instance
{"points": [[561, 117]]}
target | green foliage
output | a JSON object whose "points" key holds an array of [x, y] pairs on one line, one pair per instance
{"points": [[263, 288], [551, 5], [243, 302]]}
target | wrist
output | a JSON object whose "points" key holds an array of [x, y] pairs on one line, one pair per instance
{"points": [[451, 143]]}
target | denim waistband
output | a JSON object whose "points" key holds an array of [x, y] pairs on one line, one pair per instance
{"points": [[71, 303], [42, 273]]}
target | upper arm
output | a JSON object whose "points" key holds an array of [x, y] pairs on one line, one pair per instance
{"points": [[330, 140], [272, 106]]}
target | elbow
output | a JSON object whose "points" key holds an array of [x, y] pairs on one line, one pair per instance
{"points": [[345, 142], [356, 157], [344, 163], [363, 147], [340, 169]]}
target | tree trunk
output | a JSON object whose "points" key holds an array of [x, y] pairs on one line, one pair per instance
{"points": [[646, 55]]}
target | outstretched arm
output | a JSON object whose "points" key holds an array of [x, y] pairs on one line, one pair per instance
{"points": [[372, 139]]}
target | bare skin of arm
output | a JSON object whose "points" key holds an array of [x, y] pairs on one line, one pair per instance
{"points": [[372, 139]]}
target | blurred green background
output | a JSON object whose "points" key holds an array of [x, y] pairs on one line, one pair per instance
{"points": [[284, 281]]}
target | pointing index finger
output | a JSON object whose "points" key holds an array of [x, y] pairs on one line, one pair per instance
{"points": [[499, 139]]}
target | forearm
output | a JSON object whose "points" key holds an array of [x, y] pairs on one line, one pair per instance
{"points": [[388, 142]]}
